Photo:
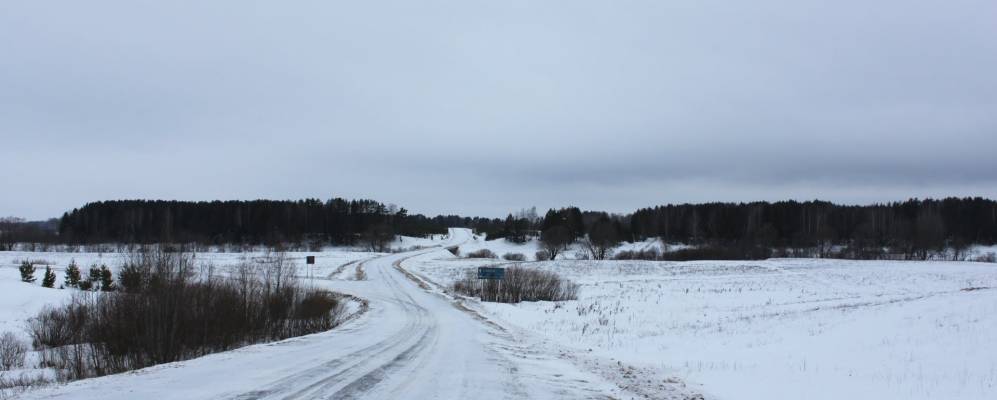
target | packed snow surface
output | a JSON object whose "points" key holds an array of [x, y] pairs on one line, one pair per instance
{"points": [[777, 329], [412, 343]]}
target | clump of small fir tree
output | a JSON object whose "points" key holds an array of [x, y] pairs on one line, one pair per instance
{"points": [[27, 271], [72, 274], [49, 279]]}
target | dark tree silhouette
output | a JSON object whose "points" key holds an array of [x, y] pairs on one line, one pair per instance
{"points": [[48, 280], [603, 236], [555, 240]]}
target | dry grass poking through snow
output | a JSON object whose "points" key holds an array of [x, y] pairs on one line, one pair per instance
{"points": [[777, 329], [520, 284]]}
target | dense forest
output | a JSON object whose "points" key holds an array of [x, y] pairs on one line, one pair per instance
{"points": [[913, 229], [336, 221]]}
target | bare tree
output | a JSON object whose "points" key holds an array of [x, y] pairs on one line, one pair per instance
{"points": [[602, 238], [377, 237], [12, 351], [555, 240]]}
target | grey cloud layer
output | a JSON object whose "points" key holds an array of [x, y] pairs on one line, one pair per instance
{"points": [[482, 107]]}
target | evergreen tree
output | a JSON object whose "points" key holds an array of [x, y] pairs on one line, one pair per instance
{"points": [[93, 280], [72, 274], [49, 279], [27, 272], [130, 278], [106, 279]]}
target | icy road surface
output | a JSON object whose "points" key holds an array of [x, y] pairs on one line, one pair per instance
{"points": [[411, 344]]}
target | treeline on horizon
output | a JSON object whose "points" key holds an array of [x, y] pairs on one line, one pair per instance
{"points": [[335, 221], [910, 229]]}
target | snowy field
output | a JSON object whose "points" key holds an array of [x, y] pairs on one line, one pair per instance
{"points": [[776, 329], [20, 301]]}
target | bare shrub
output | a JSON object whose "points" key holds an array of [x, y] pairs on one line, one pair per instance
{"points": [[12, 351], [13, 384], [519, 284], [514, 257], [987, 258], [172, 309], [713, 252], [651, 254], [542, 255], [483, 253], [719, 252]]}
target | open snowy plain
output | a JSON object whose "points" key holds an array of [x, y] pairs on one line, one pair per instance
{"points": [[775, 329]]}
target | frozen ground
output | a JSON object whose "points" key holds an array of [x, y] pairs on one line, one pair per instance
{"points": [[412, 343], [777, 329]]}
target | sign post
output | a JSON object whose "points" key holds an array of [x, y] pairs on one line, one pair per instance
{"points": [[491, 273], [310, 261]]}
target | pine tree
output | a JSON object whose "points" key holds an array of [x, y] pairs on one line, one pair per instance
{"points": [[106, 279], [93, 280], [72, 274], [49, 279], [27, 272]]}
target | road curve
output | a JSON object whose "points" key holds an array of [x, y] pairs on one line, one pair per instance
{"points": [[411, 344]]}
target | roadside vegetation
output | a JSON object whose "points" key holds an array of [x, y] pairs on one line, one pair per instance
{"points": [[520, 284], [167, 307]]}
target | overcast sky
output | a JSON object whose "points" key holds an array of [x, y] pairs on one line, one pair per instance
{"points": [[485, 107]]}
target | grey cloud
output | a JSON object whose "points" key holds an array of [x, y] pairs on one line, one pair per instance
{"points": [[484, 107]]}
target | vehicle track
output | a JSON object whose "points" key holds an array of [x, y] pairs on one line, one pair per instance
{"points": [[341, 375], [411, 343]]}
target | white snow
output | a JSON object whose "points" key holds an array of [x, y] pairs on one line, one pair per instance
{"points": [[778, 329], [410, 344], [775, 329]]}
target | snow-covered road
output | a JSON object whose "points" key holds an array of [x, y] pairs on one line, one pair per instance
{"points": [[411, 344]]}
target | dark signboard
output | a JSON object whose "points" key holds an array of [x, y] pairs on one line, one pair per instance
{"points": [[309, 260], [491, 273]]}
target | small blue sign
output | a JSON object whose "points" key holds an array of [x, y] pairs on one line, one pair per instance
{"points": [[491, 273]]}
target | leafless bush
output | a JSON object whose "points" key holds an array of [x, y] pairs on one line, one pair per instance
{"points": [[542, 255], [12, 351], [172, 309], [483, 253], [712, 252], [649, 254], [12, 385], [987, 258], [519, 284], [514, 257], [719, 252]]}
